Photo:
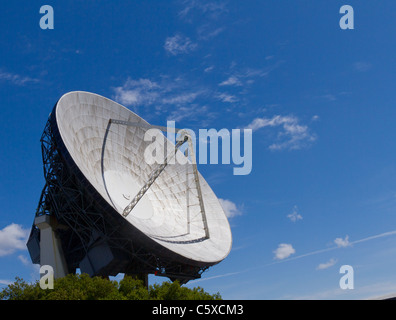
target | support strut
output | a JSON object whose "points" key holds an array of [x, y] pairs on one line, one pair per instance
{"points": [[155, 174]]}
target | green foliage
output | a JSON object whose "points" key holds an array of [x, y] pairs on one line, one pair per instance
{"points": [[83, 287], [173, 291], [133, 289], [20, 290]]}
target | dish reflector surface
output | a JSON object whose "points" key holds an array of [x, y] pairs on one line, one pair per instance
{"points": [[111, 158]]}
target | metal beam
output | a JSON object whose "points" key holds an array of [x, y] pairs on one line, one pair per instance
{"points": [[154, 175]]}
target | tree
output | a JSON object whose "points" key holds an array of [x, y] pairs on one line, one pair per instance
{"points": [[83, 287]]}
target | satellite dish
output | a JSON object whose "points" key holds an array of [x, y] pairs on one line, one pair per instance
{"points": [[113, 211]]}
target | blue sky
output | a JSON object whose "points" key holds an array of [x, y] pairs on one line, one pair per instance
{"points": [[320, 101]]}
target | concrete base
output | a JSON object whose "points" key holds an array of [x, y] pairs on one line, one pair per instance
{"points": [[50, 246]]}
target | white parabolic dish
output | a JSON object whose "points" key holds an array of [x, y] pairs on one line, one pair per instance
{"points": [[114, 165]]}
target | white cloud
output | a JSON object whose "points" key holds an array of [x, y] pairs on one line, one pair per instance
{"points": [[209, 69], [329, 97], [207, 31], [25, 261], [230, 208], [191, 111], [145, 92], [231, 81], [225, 97], [13, 238], [342, 242], [292, 136], [284, 251], [175, 99], [137, 92], [6, 282], [294, 216], [259, 123], [16, 78], [327, 264], [179, 44], [362, 66], [211, 9], [181, 98], [381, 235], [247, 76]]}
